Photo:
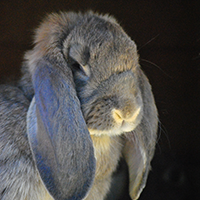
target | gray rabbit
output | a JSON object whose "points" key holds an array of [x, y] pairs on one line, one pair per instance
{"points": [[82, 104]]}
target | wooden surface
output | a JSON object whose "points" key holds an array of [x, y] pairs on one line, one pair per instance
{"points": [[168, 37]]}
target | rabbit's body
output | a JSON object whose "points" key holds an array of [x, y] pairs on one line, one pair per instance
{"points": [[19, 176], [107, 154], [82, 64]]}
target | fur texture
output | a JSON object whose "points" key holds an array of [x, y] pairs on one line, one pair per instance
{"points": [[97, 59], [19, 176]]}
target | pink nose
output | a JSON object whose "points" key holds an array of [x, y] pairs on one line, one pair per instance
{"points": [[120, 116]]}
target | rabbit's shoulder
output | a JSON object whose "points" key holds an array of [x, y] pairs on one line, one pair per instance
{"points": [[13, 109], [16, 162]]}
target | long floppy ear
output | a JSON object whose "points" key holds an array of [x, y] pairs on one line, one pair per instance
{"points": [[140, 144], [58, 135]]}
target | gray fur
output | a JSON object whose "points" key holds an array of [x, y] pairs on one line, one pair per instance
{"points": [[94, 55], [18, 174]]}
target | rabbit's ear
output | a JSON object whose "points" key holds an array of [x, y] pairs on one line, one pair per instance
{"points": [[140, 144], [136, 159], [58, 136]]}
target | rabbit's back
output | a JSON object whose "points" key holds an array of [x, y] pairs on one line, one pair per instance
{"points": [[18, 175]]}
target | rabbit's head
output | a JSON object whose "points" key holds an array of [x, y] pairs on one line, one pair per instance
{"points": [[84, 71], [104, 63]]}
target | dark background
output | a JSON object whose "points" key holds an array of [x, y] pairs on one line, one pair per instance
{"points": [[167, 34]]}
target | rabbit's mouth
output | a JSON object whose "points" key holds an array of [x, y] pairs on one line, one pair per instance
{"points": [[126, 127], [119, 125]]}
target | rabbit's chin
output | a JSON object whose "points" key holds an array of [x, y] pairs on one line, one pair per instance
{"points": [[118, 130]]}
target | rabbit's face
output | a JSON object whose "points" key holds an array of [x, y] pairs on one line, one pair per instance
{"points": [[106, 80], [114, 107]]}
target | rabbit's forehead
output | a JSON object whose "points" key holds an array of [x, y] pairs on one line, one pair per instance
{"points": [[106, 41], [109, 49], [107, 61], [99, 33], [104, 56]]}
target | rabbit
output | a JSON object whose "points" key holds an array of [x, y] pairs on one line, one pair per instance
{"points": [[83, 104]]}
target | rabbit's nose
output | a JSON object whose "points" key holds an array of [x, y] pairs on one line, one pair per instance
{"points": [[124, 109], [119, 116], [129, 115]]}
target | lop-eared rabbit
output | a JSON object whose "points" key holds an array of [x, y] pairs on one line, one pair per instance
{"points": [[82, 107]]}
